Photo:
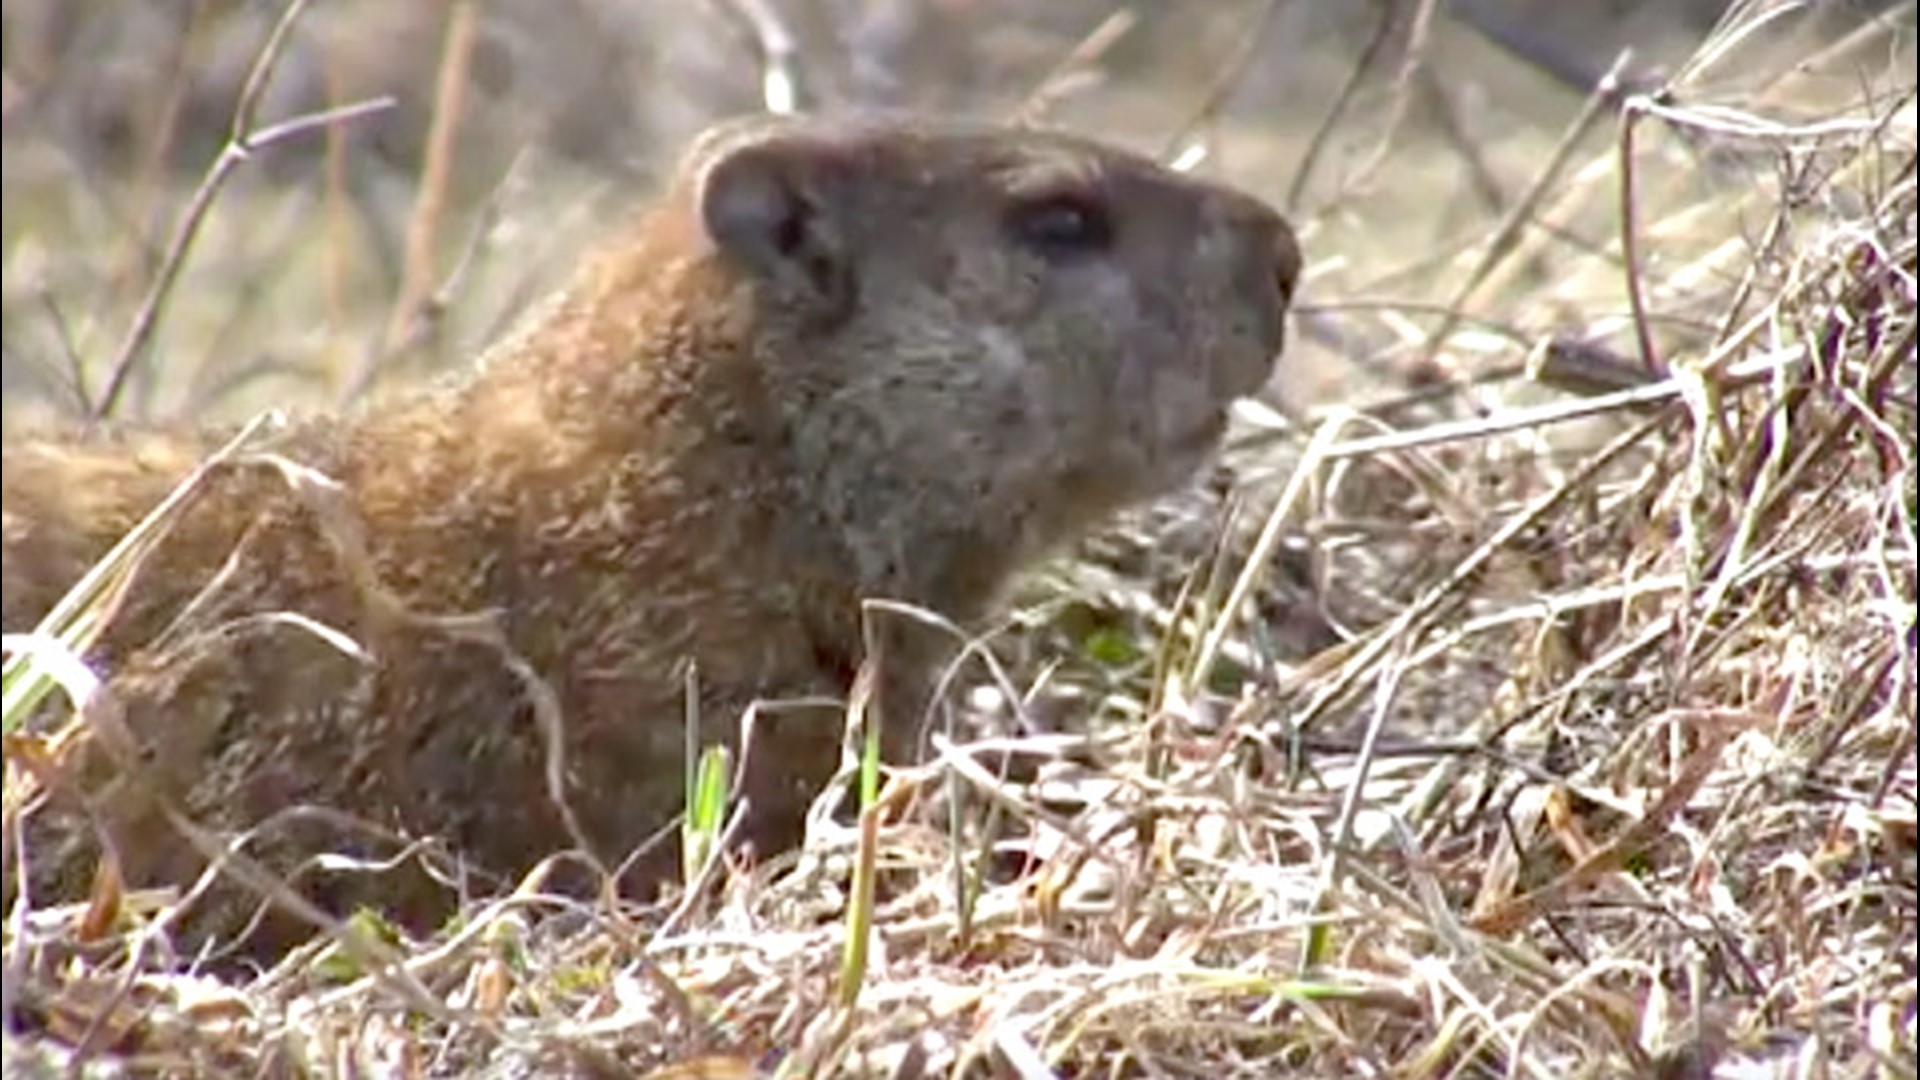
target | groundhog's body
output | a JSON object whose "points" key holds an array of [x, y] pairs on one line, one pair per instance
{"points": [[838, 360]]}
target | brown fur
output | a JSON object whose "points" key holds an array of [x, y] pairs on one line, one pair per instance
{"points": [[839, 359]]}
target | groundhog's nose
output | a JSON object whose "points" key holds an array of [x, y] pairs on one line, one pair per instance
{"points": [[1273, 240], [1266, 236], [1267, 254], [1286, 259]]}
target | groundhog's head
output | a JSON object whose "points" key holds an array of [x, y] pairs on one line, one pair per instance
{"points": [[1019, 328]]}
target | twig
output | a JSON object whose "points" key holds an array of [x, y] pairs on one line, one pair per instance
{"points": [[1429, 602], [1554, 413], [243, 142], [1229, 76], [780, 87], [1507, 234], [433, 308], [1636, 107], [1073, 68], [436, 169], [164, 126], [63, 330], [1419, 38], [1349, 91]]}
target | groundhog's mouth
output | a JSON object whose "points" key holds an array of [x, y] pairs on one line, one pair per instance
{"points": [[1203, 436]]}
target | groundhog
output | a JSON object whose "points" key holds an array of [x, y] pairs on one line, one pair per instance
{"points": [[839, 359]]}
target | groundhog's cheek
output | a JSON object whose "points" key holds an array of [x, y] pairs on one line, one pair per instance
{"points": [[1161, 407], [1229, 346], [1245, 362], [1234, 315], [1187, 415]]}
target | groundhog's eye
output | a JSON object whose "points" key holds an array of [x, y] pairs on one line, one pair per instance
{"points": [[1062, 225]]}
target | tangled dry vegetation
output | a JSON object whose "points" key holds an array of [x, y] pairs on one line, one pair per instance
{"points": [[1604, 764]]}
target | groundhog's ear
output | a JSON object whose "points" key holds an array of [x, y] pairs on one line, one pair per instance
{"points": [[768, 205]]}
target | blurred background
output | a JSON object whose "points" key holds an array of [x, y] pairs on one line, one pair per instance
{"points": [[333, 259]]}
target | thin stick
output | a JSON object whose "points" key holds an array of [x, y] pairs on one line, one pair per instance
{"points": [[436, 168], [242, 143], [1330, 122], [1636, 107], [1506, 235]]}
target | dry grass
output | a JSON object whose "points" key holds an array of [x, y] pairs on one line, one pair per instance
{"points": [[1609, 770]]}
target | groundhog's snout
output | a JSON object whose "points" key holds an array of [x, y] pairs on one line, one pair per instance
{"points": [[1286, 260], [1267, 271], [1283, 253]]}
